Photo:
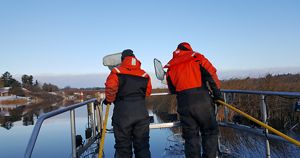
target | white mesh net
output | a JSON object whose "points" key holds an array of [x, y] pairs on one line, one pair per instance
{"points": [[159, 71], [112, 60]]}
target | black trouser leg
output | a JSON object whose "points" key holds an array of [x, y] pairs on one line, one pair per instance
{"points": [[209, 131], [197, 112], [131, 126], [123, 140], [141, 139], [209, 144], [190, 133]]}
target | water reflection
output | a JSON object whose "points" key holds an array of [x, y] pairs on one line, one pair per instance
{"points": [[27, 113], [17, 124], [10, 114]]}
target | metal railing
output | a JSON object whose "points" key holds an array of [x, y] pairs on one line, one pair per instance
{"points": [[263, 105], [266, 93], [75, 151], [264, 112]]}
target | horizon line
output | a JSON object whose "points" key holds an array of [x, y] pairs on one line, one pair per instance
{"points": [[153, 72]]}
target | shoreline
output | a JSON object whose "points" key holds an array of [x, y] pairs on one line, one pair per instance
{"points": [[13, 100]]}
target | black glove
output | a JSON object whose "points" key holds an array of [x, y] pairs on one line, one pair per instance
{"points": [[106, 102], [216, 98]]}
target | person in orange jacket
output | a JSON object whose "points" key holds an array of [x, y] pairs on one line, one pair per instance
{"points": [[194, 80], [127, 86]]}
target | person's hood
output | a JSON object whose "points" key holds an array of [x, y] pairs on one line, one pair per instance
{"points": [[180, 56], [131, 62], [184, 46]]}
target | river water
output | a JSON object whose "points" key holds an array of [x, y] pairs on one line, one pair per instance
{"points": [[54, 139]]}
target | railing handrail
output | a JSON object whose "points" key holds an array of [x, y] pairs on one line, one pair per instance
{"points": [[262, 93], [45, 116], [277, 93], [290, 139]]}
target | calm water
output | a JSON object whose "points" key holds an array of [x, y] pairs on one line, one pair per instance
{"points": [[54, 139]]}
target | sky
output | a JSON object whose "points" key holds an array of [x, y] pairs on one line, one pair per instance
{"points": [[58, 38]]}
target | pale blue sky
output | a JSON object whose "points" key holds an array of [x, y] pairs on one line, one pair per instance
{"points": [[71, 37]]}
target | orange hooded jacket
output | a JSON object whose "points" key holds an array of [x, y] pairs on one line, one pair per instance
{"points": [[130, 66], [189, 69]]}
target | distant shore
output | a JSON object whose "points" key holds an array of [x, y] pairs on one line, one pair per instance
{"points": [[32, 98], [13, 100]]}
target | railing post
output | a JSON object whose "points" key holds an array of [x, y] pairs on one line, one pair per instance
{"points": [[101, 117], [102, 97], [73, 133], [264, 119], [225, 109], [93, 122], [98, 117]]}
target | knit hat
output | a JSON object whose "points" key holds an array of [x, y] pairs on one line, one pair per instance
{"points": [[184, 46], [126, 53]]}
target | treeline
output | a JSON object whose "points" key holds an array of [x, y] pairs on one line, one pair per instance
{"points": [[27, 83], [88, 88], [162, 104], [284, 82], [281, 109]]}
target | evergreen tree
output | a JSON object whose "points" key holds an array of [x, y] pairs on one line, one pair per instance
{"points": [[27, 81], [36, 87], [7, 79], [1, 83], [16, 88], [50, 87]]}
